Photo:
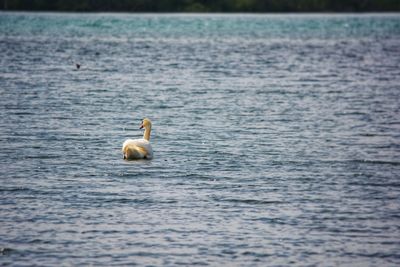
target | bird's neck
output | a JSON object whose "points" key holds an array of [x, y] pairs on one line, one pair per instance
{"points": [[146, 134]]}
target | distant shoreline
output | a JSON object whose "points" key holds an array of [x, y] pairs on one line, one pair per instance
{"points": [[203, 6], [394, 13]]}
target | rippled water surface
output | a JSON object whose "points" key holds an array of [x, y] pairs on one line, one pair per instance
{"points": [[276, 140]]}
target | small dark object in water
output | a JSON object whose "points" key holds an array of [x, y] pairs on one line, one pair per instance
{"points": [[5, 251], [78, 66]]}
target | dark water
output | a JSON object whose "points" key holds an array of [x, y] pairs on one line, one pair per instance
{"points": [[276, 140]]}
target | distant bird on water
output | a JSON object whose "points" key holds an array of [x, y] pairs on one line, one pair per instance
{"points": [[139, 148], [78, 66]]}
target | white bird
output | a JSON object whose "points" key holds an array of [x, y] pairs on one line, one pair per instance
{"points": [[139, 148]]}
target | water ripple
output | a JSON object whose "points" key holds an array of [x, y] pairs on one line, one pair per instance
{"points": [[276, 139]]}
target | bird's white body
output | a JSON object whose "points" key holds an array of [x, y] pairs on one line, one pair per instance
{"points": [[139, 148]]}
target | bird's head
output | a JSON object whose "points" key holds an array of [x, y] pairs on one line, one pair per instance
{"points": [[146, 124]]}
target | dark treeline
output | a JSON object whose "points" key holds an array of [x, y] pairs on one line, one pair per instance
{"points": [[203, 5]]}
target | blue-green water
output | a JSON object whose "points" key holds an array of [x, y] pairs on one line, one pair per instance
{"points": [[276, 140]]}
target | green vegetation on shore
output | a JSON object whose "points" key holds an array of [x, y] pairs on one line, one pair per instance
{"points": [[203, 5]]}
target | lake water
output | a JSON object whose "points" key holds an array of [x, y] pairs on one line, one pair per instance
{"points": [[276, 140]]}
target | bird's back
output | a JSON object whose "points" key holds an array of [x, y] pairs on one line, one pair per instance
{"points": [[137, 149]]}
